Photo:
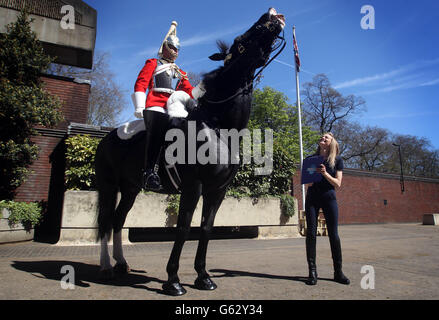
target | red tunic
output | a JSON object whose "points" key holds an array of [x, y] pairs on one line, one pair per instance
{"points": [[145, 81]]}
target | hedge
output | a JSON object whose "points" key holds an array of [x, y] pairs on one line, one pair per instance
{"points": [[80, 173]]}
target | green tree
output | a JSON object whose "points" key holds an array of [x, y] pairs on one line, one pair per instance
{"points": [[271, 110], [80, 159], [24, 103]]}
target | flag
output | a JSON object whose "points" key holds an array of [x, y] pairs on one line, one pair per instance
{"points": [[296, 52]]}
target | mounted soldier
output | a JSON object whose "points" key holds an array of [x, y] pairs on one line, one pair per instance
{"points": [[168, 91], [225, 105]]}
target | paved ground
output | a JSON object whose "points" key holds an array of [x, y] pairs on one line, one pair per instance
{"points": [[404, 257]]}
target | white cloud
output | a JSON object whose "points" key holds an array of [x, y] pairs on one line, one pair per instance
{"points": [[210, 37], [374, 78], [148, 51], [382, 80], [196, 40], [401, 115], [293, 67], [430, 83]]}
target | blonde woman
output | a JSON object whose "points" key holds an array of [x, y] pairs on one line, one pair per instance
{"points": [[322, 195]]}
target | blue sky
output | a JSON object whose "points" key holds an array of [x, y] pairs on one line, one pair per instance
{"points": [[394, 67]]}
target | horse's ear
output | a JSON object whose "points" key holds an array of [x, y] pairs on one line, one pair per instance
{"points": [[218, 57]]}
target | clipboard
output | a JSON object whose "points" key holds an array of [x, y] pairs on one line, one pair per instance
{"points": [[309, 169]]}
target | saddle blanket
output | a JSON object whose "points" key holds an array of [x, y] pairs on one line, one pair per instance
{"points": [[175, 108], [130, 129]]}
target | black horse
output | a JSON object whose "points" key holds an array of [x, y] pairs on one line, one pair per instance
{"points": [[226, 105]]}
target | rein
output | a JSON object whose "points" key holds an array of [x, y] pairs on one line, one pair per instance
{"points": [[283, 43], [250, 83]]}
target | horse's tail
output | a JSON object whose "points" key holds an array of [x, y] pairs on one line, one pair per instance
{"points": [[106, 212], [107, 191]]}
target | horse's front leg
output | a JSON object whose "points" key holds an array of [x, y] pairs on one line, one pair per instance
{"points": [[188, 202], [211, 204], [106, 271]]}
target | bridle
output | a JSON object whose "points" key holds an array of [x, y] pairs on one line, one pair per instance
{"points": [[279, 43], [282, 43]]}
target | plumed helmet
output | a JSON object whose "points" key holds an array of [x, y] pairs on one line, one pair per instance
{"points": [[171, 39]]}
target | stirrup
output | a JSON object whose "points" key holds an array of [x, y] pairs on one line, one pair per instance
{"points": [[151, 181]]}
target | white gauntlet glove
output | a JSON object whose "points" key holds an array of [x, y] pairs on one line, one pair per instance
{"points": [[139, 113], [198, 91], [139, 101]]}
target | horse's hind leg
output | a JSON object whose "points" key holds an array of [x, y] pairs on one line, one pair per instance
{"points": [[125, 204], [121, 267], [106, 270], [107, 203], [211, 204]]}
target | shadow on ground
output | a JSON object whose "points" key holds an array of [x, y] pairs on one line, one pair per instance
{"points": [[85, 274], [237, 273]]}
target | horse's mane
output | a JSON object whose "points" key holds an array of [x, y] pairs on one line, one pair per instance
{"points": [[216, 81], [222, 46], [210, 77]]}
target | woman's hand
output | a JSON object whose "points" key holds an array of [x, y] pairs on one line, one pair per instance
{"points": [[336, 182], [322, 169]]}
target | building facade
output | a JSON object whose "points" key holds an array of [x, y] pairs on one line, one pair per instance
{"points": [[67, 31]]}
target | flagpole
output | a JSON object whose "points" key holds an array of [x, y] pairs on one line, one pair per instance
{"points": [[300, 121]]}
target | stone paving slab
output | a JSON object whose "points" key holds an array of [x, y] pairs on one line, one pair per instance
{"points": [[404, 258]]}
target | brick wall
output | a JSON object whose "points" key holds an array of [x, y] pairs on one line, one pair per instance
{"points": [[367, 197], [74, 97], [36, 187]]}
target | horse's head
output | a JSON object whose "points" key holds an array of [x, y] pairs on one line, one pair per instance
{"points": [[252, 49], [229, 88]]}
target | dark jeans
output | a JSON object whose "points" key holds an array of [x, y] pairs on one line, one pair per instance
{"points": [[326, 200]]}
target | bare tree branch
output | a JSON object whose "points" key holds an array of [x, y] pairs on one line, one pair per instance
{"points": [[107, 100], [324, 106]]}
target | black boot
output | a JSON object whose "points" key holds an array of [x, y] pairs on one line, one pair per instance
{"points": [[337, 260], [156, 125], [311, 258], [312, 277], [340, 277]]}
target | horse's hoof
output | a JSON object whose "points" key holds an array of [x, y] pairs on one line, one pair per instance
{"points": [[173, 289], [121, 269], [205, 284], [106, 274]]}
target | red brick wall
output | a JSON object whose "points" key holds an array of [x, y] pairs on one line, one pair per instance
{"points": [[361, 197], [36, 187], [74, 97]]}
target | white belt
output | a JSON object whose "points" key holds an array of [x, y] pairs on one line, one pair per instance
{"points": [[165, 90], [162, 68]]}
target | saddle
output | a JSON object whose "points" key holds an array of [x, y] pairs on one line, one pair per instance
{"points": [[132, 131]]}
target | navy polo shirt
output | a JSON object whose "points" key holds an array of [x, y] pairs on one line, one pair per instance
{"points": [[324, 185]]}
